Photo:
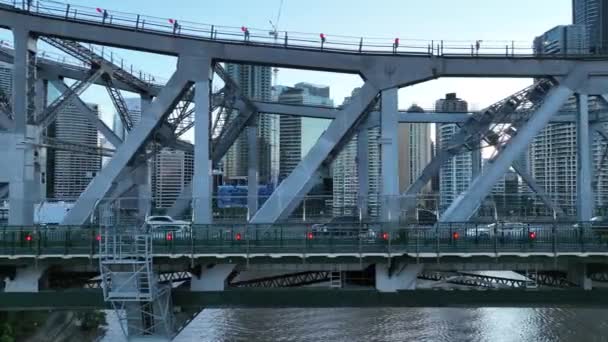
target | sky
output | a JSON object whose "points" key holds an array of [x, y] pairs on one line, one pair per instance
{"points": [[448, 20]]}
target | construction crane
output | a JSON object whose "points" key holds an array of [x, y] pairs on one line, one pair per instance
{"points": [[275, 33], [275, 120]]}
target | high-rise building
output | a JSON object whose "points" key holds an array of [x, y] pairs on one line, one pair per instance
{"points": [[69, 173], [172, 171], [593, 15], [563, 39], [255, 83], [344, 172], [296, 133], [414, 151], [455, 174], [553, 153]]}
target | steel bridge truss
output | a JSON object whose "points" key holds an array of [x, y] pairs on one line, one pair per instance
{"points": [[226, 123], [186, 103], [286, 280]]}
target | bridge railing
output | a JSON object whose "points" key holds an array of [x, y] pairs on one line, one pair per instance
{"points": [[350, 238], [247, 35]]}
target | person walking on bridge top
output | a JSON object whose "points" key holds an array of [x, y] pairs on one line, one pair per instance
{"points": [[245, 33], [477, 46]]}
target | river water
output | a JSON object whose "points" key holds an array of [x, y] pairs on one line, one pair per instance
{"points": [[436, 324]]}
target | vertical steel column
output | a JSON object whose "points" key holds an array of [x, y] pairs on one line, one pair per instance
{"points": [[476, 160], [389, 119], [363, 171], [585, 198], [22, 184], [252, 164], [144, 189], [466, 203], [40, 162], [142, 173], [201, 183]]}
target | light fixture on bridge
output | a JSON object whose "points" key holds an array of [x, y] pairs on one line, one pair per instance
{"points": [[309, 236], [98, 237], [532, 235], [29, 238], [385, 236], [238, 237], [455, 235], [169, 237]]}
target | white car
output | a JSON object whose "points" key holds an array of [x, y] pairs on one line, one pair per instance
{"points": [[166, 223]]}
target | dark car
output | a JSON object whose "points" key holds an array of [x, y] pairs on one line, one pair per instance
{"points": [[344, 227]]}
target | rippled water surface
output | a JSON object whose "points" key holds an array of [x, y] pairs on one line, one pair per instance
{"points": [[449, 325]]}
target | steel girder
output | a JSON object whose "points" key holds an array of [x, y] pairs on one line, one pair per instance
{"points": [[472, 279], [57, 144], [93, 117], [536, 188], [289, 193], [483, 126], [202, 179], [24, 190], [373, 66], [286, 280], [390, 156], [465, 204], [549, 278], [49, 114], [233, 128], [585, 198], [159, 110]]}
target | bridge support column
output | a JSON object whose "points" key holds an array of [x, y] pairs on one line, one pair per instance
{"points": [[26, 280], [363, 172], [252, 164], [22, 186], [211, 278], [389, 120], [144, 190], [201, 182], [476, 161], [398, 277], [584, 189], [465, 204], [577, 274]]}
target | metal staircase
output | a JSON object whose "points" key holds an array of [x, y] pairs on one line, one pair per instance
{"points": [[92, 58], [335, 278], [119, 103], [485, 126], [142, 305], [529, 101]]}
